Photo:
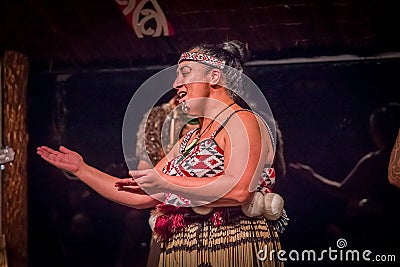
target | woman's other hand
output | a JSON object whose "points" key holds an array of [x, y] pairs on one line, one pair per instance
{"points": [[64, 158]]}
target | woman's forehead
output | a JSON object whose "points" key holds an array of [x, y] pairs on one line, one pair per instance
{"points": [[192, 65]]}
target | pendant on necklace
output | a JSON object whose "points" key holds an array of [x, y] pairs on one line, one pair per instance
{"points": [[191, 145]]}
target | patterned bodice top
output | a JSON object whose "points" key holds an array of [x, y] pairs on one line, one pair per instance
{"points": [[206, 159]]}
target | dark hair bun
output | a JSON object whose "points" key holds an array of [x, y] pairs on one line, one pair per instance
{"points": [[237, 49]]}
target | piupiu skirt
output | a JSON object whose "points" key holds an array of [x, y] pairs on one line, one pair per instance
{"points": [[239, 241]]}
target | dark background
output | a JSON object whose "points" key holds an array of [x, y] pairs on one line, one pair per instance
{"points": [[322, 108]]}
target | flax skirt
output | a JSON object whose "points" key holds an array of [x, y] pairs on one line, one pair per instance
{"points": [[234, 243]]}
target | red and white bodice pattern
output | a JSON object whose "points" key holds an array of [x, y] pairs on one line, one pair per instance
{"points": [[205, 159]]}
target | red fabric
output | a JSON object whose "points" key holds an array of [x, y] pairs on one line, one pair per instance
{"points": [[170, 220]]}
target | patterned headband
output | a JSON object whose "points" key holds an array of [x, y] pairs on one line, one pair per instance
{"points": [[202, 58]]}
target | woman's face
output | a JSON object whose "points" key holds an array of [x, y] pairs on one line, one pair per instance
{"points": [[192, 85]]}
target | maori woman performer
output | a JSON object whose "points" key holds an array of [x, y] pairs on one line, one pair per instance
{"points": [[212, 193]]}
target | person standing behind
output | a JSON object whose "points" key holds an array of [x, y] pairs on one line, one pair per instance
{"points": [[161, 127], [394, 163], [369, 196]]}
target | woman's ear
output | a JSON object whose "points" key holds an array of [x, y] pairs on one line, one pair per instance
{"points": [[215, 76]]}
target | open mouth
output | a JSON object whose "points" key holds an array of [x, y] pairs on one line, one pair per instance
{"points": [[182, 94]]}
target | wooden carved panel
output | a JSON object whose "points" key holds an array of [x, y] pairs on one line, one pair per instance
{"points": [[15, 69]]}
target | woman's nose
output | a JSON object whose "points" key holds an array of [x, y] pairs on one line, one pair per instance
{"points": [[178, 83]]}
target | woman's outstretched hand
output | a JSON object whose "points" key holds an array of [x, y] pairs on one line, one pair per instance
{"points": [[64, 158]]}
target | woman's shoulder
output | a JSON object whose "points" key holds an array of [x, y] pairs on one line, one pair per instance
{"points": [[246, 115], [250, 118]]}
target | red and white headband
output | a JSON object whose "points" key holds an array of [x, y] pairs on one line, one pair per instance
{"points": [[202, 58]]}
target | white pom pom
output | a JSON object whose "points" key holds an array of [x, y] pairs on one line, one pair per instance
{"points": [[255, 207], [273, 206], [202, 210]]}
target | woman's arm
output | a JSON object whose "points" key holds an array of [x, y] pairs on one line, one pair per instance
{"points": [[354, 185], [247, 148], [101, 182], [308, 172]]}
